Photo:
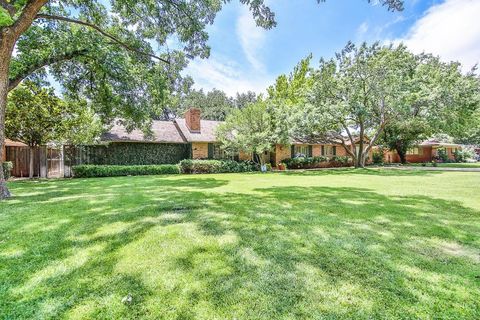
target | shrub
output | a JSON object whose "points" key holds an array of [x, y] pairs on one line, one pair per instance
{"points": [[127, 153], [216, 166], [88, 170], [463, 155], [442, 155], [377, 157], [7, 167], [316, 162]]}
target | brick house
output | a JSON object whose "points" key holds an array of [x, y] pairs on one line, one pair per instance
{"points": [[200, 135], [424, 152]]}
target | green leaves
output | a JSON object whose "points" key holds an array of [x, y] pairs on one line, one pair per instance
{"points": [[36, 117], [5, 18]]}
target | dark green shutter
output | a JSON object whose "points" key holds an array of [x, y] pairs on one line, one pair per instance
{"points": [[310, 151], [323, 150], [292, 153], [334, 150], [210, 151]]}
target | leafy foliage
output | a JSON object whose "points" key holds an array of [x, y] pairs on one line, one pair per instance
{"points": [[88, 171], [317, 162], [215, 104], [36, 116], [254, 129], [129, 154], [216, 166], [377, 156], [7, 167]]}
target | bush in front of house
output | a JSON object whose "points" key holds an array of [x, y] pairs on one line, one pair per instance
{"points": [[317, 162], [88, 170], [7, 167], [377, 157], [306, 162], [216, 166]]}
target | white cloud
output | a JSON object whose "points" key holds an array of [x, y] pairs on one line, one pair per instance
{"points": [[450, 30], [362, 31], [230, 75], [251, 38], [227, 75]]}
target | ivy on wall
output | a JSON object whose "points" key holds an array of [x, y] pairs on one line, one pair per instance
{"points": [[128, 153]]}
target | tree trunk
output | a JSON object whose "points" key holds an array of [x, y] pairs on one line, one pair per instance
{"points": [[402, 155], [31, 151], [6, 48]]}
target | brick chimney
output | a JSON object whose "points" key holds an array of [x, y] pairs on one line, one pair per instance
{"points": [[192, 119]]}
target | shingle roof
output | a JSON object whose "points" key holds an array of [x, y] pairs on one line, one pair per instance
{"points": [[435, 142], [11, 143], [163, 131], [206, 134]]}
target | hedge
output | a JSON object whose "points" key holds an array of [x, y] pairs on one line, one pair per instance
{"points": [[128, 153], [88, 170], [216, 166], [316, 162], [7, 167]]}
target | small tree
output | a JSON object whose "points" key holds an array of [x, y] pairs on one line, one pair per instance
{"points": [[36, 116], [254, 129]]}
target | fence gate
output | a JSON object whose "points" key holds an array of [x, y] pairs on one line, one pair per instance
{"points": [[54, 162]]}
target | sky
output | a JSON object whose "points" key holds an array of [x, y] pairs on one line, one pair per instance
{"points": [[246, 57]]}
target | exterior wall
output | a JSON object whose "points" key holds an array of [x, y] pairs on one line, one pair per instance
{"points": [[316, 150], [199, 150], [341, 152], [281, 153], [243, 156], [424, 157], [427, 155]]}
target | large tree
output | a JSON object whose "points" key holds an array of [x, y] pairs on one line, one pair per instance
{"points": [[441, 99], [103, 51], [356, 94], [35, 116], [254, 129]]}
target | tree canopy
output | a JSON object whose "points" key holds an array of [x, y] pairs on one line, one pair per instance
{"points": [[36, 117]]}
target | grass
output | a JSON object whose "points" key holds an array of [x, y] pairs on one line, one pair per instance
{"points": [[450, 165], [322, 245]]}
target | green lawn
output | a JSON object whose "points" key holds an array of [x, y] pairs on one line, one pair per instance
{"points": [[450, 165], [320, 245]]}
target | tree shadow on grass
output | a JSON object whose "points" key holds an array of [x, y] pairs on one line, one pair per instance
{"points": [[367, 171], [283, 252]]}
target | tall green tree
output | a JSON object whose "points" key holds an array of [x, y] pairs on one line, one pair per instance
{"points": [[357, 93], [441, 99], [253, 129], [35, 116], [103, 51]]}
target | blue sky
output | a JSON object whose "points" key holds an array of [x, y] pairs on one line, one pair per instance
{"points": [[245, 57]]}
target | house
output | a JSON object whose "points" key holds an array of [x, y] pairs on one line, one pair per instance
{"points": [[424, 152], [196, 134], [199, 136]]}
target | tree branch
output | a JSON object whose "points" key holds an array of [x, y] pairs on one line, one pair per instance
{"points": [[99, 30], [27, 16], [13, 83]]}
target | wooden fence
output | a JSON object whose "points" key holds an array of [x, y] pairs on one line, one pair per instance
{"points": [[47, 161]]}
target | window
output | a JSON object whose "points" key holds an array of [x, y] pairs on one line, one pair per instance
{"points": [[329, 150], [415, 151], [216, 152], [301, 150]]}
